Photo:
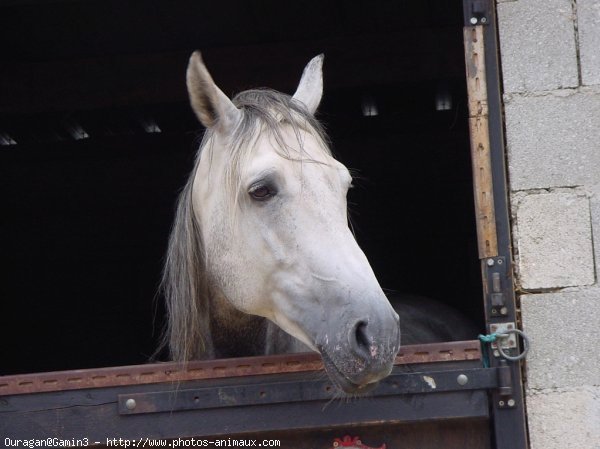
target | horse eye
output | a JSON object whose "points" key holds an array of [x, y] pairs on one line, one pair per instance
{"points": [[261, 193]]}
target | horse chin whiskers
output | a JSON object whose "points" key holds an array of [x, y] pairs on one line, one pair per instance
{"points": [[342, 397], [343, 384], [338, 396]]}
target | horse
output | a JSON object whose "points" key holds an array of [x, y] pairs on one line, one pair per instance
{"points": [[261, 259]]}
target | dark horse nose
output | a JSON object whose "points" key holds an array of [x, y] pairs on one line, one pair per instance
{"points": [[365, 352], [366, 341]]}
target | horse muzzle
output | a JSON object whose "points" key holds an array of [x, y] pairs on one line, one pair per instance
{"points": [[361, 354]]}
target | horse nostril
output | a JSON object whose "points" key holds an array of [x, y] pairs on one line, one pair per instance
{"points": [[360, 337]]}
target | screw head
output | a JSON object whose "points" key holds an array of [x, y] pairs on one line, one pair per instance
{"points": [[503, 311], [130, 404], [496, 353], [473, 20], [511, 403], [501, 403], [462, 379], [490, 262], [484, 20]]}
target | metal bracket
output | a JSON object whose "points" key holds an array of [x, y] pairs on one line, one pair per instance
{"points": [[215, 397], [497, 278], [477, 12], [507, 343], [503, 339]]}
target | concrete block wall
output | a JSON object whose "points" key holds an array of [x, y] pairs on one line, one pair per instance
{"points": [[550, 56]]}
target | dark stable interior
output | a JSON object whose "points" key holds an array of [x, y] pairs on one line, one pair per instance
{"points": [[88, 184]]}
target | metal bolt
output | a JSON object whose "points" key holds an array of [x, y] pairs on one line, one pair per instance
{"points": [[503, 311], [499, 261], [511, 402], [462, 379], [501, 403], [473, 20], [130, 404], [496, 353], [483, 19], [490, 262], [494, 311]]}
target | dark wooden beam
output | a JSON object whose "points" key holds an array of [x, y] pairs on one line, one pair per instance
{"points": [[113, 81]]}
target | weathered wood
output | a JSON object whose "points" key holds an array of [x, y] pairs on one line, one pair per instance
{"points": [[93, 413], [503, 418], [480, 142], [216, 369]]}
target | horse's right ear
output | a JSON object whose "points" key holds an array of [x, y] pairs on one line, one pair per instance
{"points": [[212, 107], [310, 89]]}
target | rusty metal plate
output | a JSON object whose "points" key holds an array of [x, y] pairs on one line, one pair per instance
{"points": [[215, 369], [301, 390]]}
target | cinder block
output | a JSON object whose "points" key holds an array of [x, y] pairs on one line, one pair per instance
{"points": [[553, 237], [595, 209], [564, 419], [563, 330], [588, 18], [554, 139], [537, 45]]}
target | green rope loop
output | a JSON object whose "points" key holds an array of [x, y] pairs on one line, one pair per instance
{"points": [[488, 338], [491, 338]]}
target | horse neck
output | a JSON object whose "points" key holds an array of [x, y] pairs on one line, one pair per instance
{"points": [[234, 333], [237, 334]]}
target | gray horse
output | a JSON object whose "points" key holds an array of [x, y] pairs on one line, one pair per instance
{"points": [[261, 259]]}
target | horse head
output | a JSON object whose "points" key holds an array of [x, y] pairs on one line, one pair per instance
{"points": [[269, 201]]}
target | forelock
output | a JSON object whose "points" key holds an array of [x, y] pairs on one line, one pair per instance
{"points": [[266, 111]]}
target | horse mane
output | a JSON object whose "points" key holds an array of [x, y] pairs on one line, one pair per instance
{"points": [[184, 282]]}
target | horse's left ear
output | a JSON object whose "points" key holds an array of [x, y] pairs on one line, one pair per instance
{"points": [[212, 107], [310, 89]]}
